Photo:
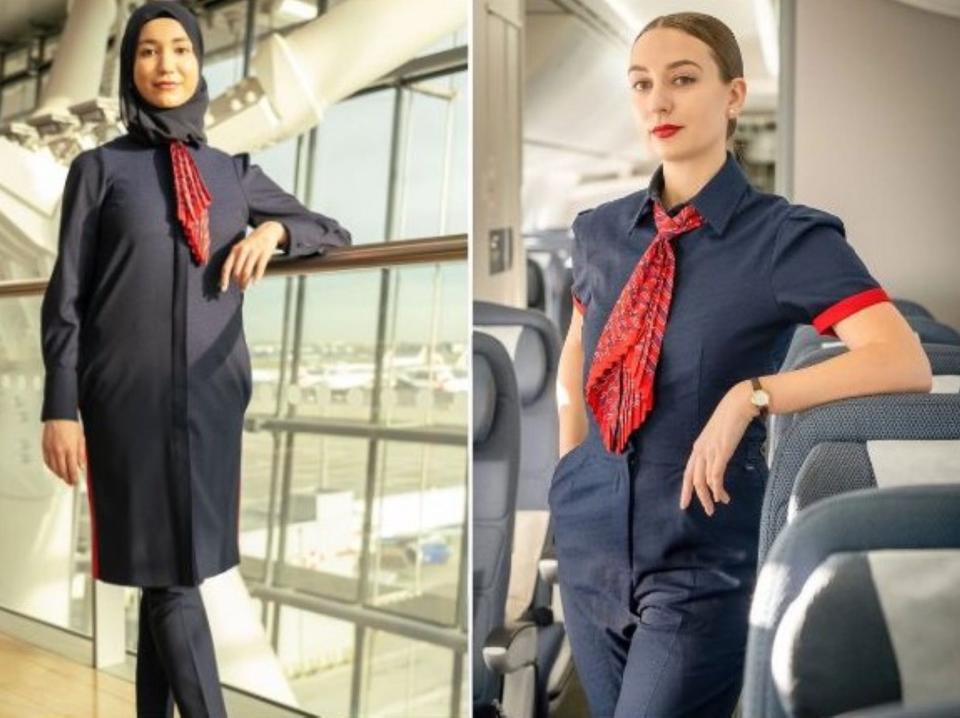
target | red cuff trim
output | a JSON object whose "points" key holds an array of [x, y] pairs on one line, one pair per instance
{"points": [[830, 316], [581, 307]]}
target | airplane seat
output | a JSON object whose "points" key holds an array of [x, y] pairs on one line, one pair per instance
{"points": [[533, 344], [807, 340], [555, 282], [856, 608], [504, 653], [877, 441], [536, 293], [944, 363], [930, 330], [910, 308], [566, 301], [940, 709]]}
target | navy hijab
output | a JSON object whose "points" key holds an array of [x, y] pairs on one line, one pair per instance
{"points": [[156, 125], [171, 126]]}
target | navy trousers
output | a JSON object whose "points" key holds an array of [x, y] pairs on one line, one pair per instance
{"points": [[655, 599], [175, 656]]}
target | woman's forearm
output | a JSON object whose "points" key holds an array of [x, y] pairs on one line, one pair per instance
{"points": [[876, 368], [571, 407]]}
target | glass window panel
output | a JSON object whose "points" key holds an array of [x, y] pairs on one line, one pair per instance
{"points": [[19, 98], [426, 364], [405, 677], [45, 553], [418, 530], [257, 464], [325, 515], [279, 162], [317, 654], [435, 169], [337, 353], [352, 164], [15, 61], [222, 71]]}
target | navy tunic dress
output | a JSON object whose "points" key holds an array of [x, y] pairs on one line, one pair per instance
{"points": [[656, 598], [141, 340]]}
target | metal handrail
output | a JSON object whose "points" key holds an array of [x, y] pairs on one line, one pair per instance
{"points": [[425, 250]]}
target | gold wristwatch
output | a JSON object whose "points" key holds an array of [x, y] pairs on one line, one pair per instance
{"points": [[760, 398]]}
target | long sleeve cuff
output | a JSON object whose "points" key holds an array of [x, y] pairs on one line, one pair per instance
{"points": [[305, 237], [60, 395]]}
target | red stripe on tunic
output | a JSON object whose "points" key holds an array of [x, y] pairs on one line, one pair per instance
{"points": [[94, 539], [839, 311]]}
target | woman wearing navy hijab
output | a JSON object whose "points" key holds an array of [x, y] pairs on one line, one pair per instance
{"points": [[684, 291], [142, 332]]}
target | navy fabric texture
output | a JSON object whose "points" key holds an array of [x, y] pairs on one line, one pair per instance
{"points": [[655, 598], [176, 660], [144, 345]]}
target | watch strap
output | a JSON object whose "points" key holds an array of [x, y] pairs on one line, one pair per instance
{"points": [[755, 382]]}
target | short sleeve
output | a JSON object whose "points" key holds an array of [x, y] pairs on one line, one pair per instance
{"points": [[580, 289], [67, 291], [308, 232], [817, 276]]}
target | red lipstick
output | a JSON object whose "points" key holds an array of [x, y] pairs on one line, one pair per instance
{"points": [[664, 131]]}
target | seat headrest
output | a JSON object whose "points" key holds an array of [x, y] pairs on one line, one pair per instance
{"points": [[484, 398], [869, 628], [528, 351], [535, 288]]}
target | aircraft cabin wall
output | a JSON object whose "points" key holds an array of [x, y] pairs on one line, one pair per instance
{"points": [[499, 269], [877, 138]]}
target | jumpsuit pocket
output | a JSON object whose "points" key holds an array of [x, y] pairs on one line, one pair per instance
{"points": [[663, 618], [565, 466], [753, 462]]}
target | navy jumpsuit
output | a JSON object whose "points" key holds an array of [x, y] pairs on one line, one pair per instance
{"points": [[142, 342], [655, 598]]}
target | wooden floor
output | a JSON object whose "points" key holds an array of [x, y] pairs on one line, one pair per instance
{"points": [[37, 684]]}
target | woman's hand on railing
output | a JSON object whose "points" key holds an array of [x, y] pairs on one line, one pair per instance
{"points": [[64, 449], [249, 257]]}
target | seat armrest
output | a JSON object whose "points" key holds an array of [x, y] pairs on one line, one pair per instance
{"points": [[511, 647], [548, 570]]}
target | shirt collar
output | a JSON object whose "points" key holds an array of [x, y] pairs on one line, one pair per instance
{"points": [[716, 201]]}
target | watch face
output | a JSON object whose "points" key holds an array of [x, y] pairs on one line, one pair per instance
{"points": [[760, 398]]}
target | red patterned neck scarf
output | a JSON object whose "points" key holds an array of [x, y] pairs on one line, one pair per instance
{"points": [[193, 198], [619, 386]]}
